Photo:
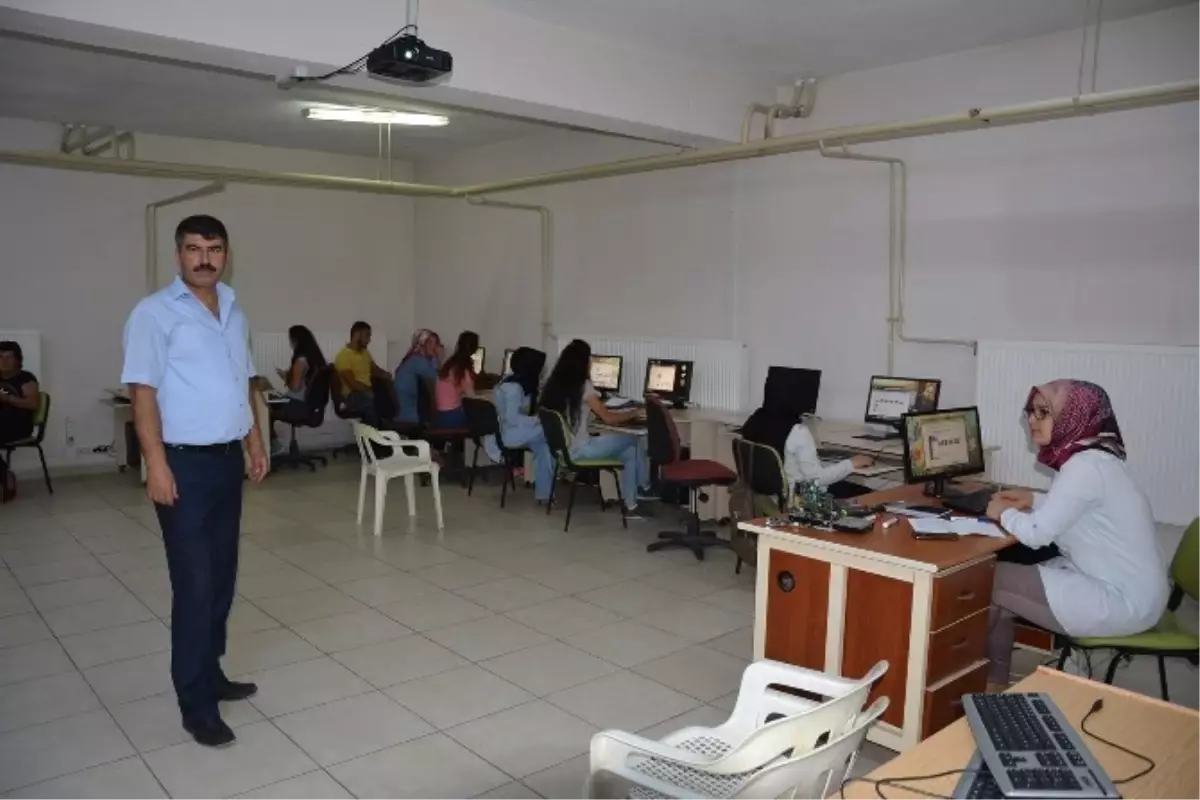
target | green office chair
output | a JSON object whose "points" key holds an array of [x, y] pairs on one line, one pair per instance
{"points": [[558, 437], [1167, 639], [761, 491], [40, 418]]}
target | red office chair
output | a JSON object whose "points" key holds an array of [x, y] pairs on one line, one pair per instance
{"points": [[690, 474]]}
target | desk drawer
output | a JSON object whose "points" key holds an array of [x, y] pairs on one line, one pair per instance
{"points": [[960, 594], [956, 646], [943, 705]]}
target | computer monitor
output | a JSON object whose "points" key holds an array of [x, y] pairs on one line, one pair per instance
{"points": [[605, 372], [669, 379], [889, 398], [939, 445], [508, 353], [805, 383], [477, 359]]}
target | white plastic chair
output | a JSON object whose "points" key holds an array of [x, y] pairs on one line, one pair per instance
{"points": [[399, 464], [746, 755]]}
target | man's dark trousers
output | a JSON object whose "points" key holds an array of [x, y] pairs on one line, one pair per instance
{"points": [[201, 536]]}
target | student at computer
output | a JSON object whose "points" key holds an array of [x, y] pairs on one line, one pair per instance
{"points": [[1110, 579], [417, 372], [358, 372], [778, 425], [569, 391], [515, 397], [456, 380], [307, 361]]}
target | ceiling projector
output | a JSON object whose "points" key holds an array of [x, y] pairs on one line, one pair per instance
{"points": [[409, 59]]}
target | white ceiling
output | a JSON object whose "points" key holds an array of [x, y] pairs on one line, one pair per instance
{"points": [[801, 38], [57, 83]]}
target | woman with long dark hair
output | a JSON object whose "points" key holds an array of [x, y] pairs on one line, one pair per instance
{"points": [[1109, 579], [569, 391], [307, 361], [515, 397], [456, 380], [19, 400]]}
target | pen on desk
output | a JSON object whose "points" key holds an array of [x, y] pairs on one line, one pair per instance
{"points": [[887, 523]]}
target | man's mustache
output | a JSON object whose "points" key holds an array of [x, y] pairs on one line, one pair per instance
{"points": [[205, 268]]}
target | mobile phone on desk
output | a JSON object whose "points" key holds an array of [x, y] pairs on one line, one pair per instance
{"points": [[936, 537]]}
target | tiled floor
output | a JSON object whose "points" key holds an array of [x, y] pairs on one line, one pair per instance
{"points": [[476, 663]]}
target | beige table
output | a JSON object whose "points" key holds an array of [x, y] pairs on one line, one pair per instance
{"points": [[1167, 733]]}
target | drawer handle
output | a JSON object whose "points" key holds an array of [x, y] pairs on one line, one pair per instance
{"points": [[960, 644], [965, 595], [786, 581]]}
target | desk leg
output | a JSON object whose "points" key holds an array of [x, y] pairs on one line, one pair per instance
{"points": [[761, 584], [835, 619], [918, 657]]}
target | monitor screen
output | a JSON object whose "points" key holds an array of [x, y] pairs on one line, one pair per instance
{"points": [[508, 360], [669, 378], [605, 373], [891, 398], [477, 359], [805, 383], [942, 444]]}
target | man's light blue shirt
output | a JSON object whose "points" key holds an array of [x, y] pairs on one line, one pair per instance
{"points": [[200, 365]]}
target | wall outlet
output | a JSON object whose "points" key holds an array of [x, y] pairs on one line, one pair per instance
{"points": [[69, 427]]}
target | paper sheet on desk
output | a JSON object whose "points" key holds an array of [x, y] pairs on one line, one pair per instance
{"points": [[963, 526]]}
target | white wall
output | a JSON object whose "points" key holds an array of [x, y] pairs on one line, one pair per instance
{"points": [[1081, 230], [73, 263]]}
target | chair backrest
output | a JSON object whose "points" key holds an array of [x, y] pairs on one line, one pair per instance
{"points": [[336, 393], [818, 772], [41, 416], [663, 445], [760, 467], [558, 436], [481, 418], [425, 406], [369, 439], [316, 396], [1186, 563]]}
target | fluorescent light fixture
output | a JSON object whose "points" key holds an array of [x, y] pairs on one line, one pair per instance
{"points": [[374, 116]]}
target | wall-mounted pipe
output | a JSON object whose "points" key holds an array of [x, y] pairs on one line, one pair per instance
{"points": [[151, 223], [972, 119], [897, 250], [547, 274]]}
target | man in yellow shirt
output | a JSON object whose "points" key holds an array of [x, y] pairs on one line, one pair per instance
{"points": [[357, 370]]}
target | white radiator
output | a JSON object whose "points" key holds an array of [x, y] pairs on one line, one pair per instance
{"points": [[720, 376], [31, 352], [1154, 393]]}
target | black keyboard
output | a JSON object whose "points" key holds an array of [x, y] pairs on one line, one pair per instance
{"points": [[1031, 750], [977, 781], [968, 502]]}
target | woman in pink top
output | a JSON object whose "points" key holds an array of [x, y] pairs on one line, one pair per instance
{"points": [[456, 380]]}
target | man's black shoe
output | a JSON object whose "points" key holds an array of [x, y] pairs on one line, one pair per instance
{"points": [[210, 733], [232, 690]]}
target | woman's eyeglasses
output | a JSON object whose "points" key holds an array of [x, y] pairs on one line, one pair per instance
{"points": [[1039, 413]]}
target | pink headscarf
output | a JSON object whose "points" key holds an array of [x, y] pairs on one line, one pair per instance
{"points": [[1083, 420]]}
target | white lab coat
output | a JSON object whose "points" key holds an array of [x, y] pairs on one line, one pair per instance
{"points": [[1110, 579], [801, 463]]}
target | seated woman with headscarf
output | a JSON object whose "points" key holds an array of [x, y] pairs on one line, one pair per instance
{"points": [[417, 372], [1110, 579], [778, 425], [515, 397]]}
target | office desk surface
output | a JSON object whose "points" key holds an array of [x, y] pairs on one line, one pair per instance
{"points": [[895, 544], [1167, 733]]}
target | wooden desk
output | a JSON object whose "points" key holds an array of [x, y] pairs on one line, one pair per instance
{"points": [[1167, 733], [839, 602]]}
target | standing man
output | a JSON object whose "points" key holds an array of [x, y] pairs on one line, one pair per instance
{"points": [[188, 368]]}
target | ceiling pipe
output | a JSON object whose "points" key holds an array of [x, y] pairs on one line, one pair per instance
{"points": [[547, 223], [972, 119], [151, 227]]}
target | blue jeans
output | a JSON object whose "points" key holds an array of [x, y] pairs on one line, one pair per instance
{"points": [[454, 418], [635, 466], [543, 463], [201, 536]]}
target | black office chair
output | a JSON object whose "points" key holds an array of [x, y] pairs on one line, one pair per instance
{"points": [[310, 415], [760, 473], [482, 421], [339, 408], [554, 425]]}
